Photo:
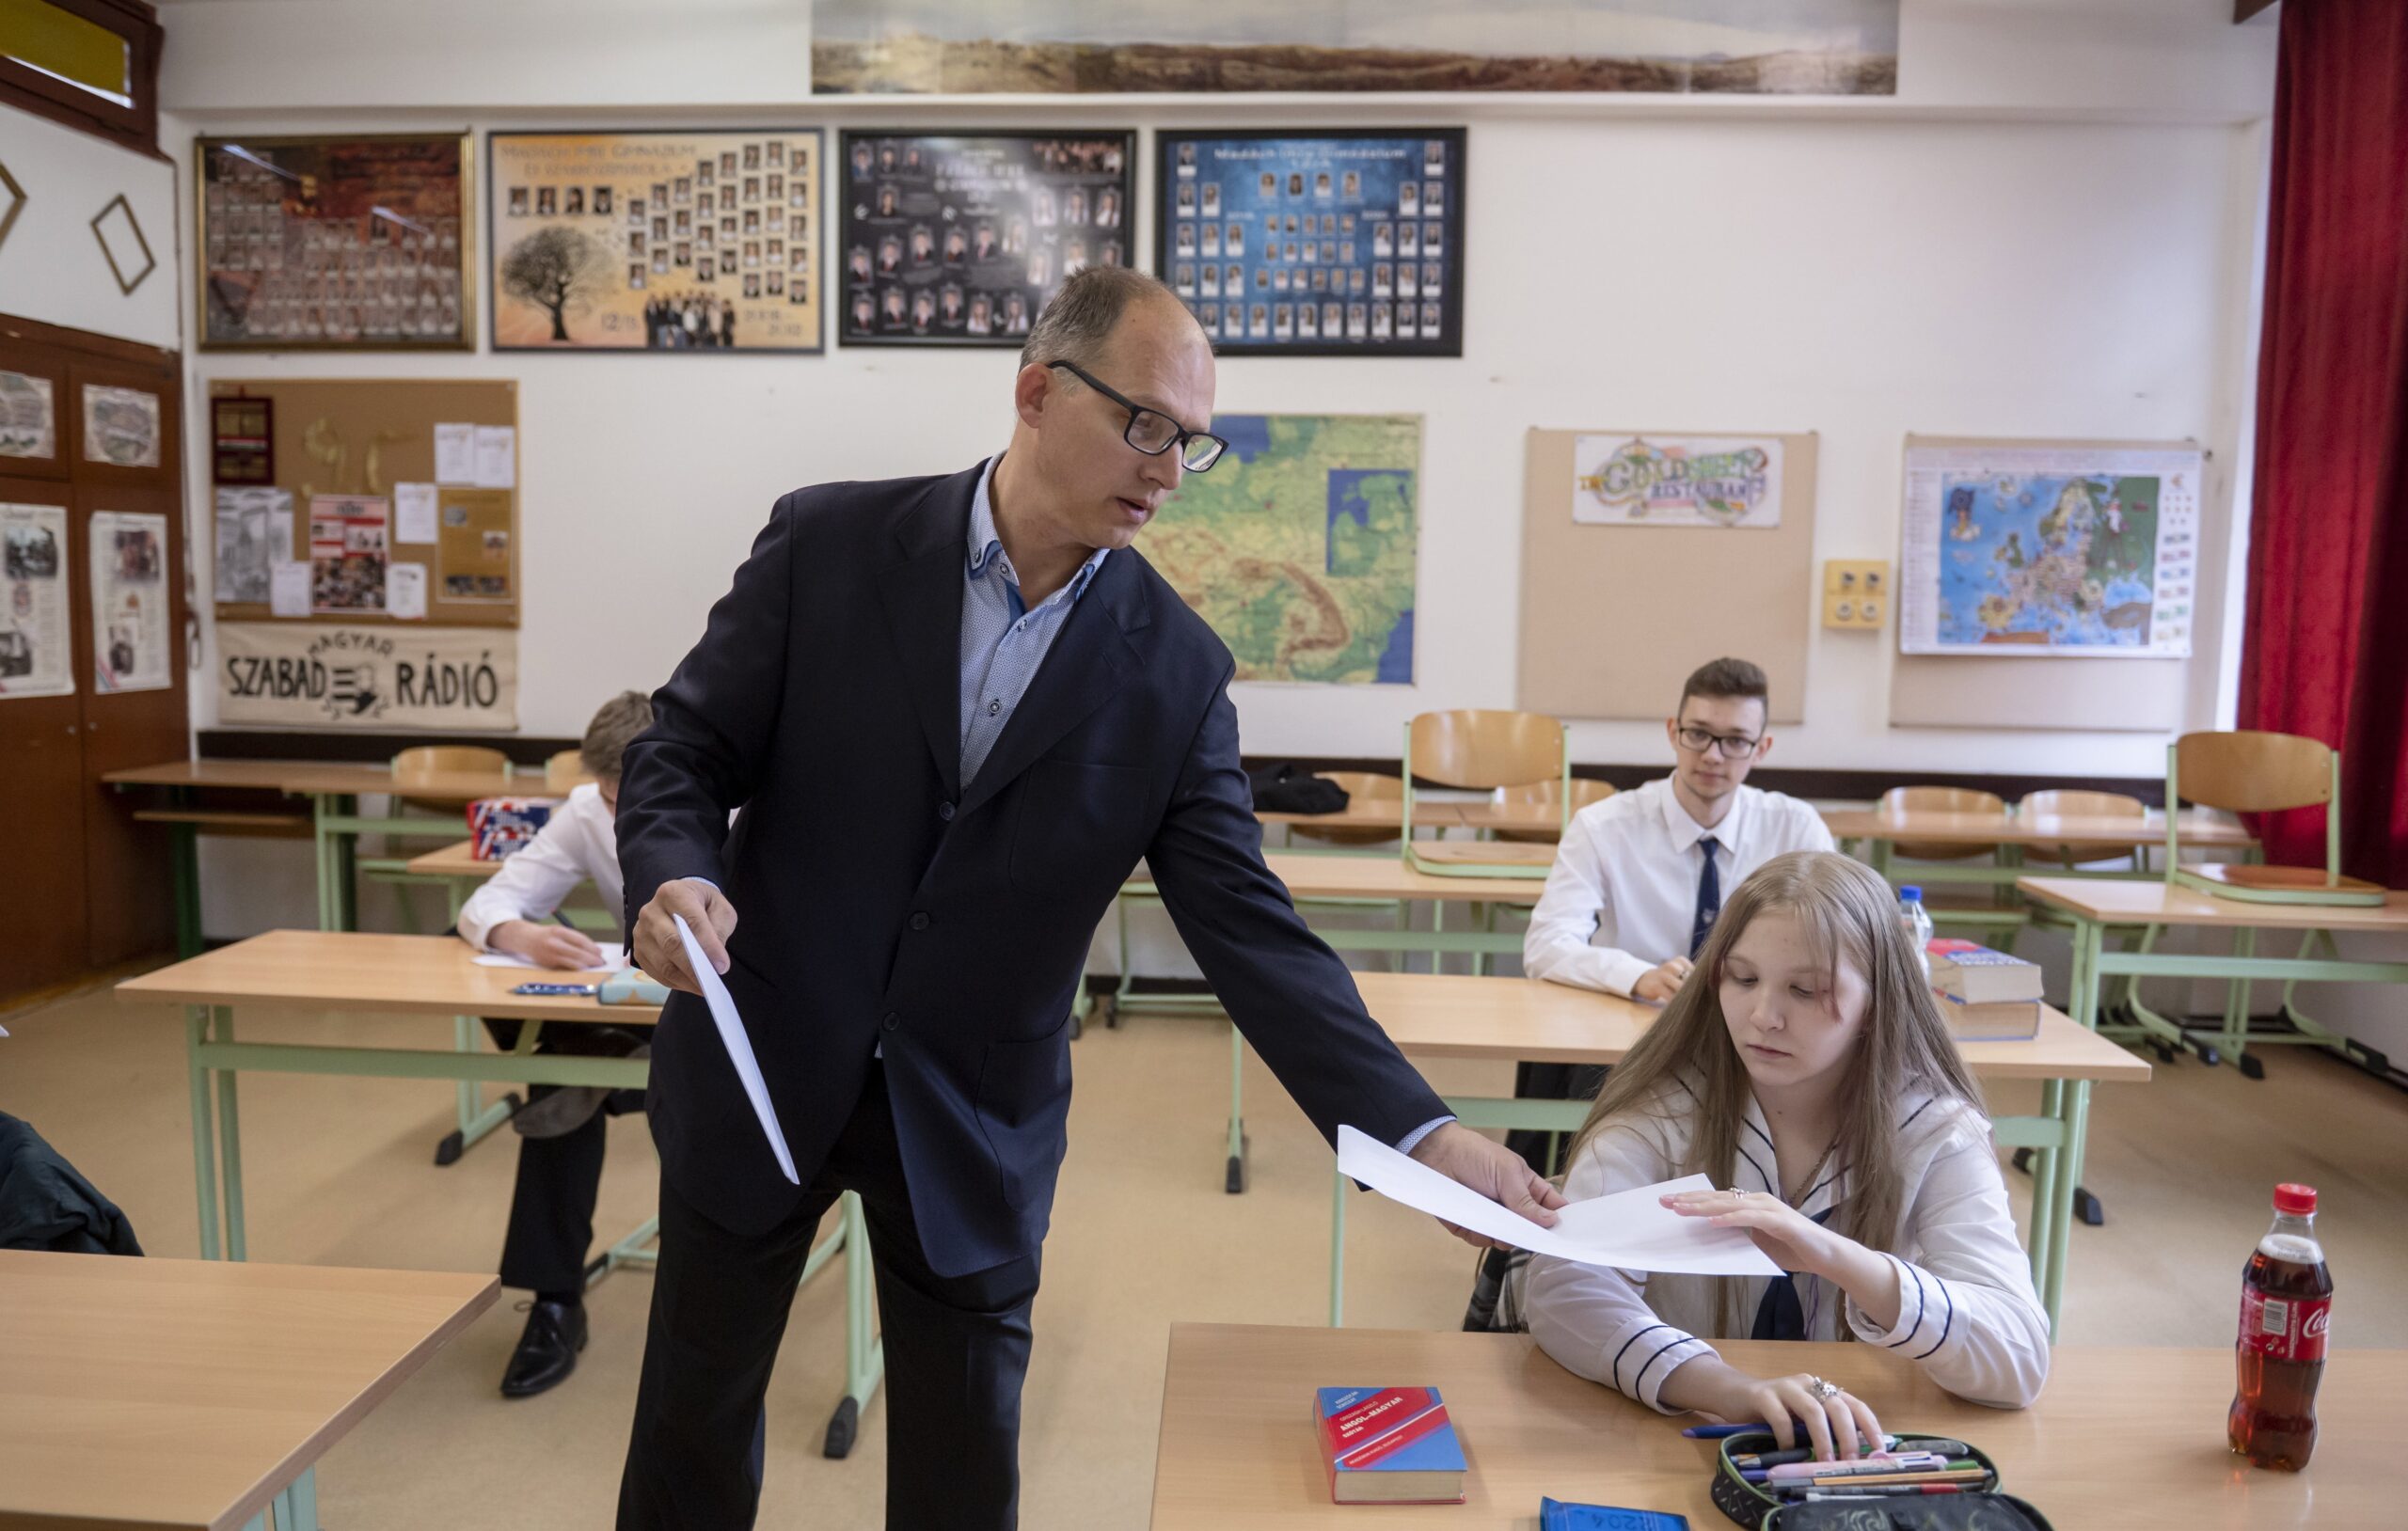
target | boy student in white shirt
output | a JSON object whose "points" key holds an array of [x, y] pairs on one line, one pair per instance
{"points": [[1804, 1066], [1640, 877], [562, 1129]]}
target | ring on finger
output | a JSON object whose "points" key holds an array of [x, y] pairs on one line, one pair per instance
{"points": [[1821, 1390]]}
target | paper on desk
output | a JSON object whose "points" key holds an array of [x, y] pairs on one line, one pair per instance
{"points": [[739, 1045], [1627, 1231], [614, 956]]}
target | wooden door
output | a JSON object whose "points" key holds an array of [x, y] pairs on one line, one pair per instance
{"points": [[82, 884], [128, 880]]}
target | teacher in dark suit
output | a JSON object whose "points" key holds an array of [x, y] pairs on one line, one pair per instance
{"points": [[955, 712]]}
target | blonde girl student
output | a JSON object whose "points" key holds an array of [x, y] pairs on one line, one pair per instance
{"points": [[1804, 1066]]}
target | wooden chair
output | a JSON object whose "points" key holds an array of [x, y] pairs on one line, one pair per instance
{"points": [[1363, 789], [2070, 804], [430, 760], [1482, 751], [1584, 791], [2250, 772], [565, 772], [1940, 801]]}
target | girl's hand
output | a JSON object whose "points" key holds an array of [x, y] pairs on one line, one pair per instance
{"points": [[1839, 1427], [1788, 1237]]}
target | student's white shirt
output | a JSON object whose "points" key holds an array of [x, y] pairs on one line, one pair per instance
{"points": [[1623, 895], [580, 840], [1968, 1316]]}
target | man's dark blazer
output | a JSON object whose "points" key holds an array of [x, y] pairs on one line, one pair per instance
{"points": [[882, 903]]}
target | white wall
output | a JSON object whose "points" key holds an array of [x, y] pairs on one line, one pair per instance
{"points": [[51, 265], [2048, 232]]}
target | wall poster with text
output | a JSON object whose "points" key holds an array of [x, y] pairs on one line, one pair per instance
{"points": [[703, 241]]}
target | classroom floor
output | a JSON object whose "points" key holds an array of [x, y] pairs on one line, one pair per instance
{"points": [[341, 1172]]}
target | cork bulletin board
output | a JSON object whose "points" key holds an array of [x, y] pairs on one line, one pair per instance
{"points": [[398, 500], [1614, 616]]}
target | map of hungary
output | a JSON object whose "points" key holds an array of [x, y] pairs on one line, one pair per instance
{"points": [[1300, 546]]}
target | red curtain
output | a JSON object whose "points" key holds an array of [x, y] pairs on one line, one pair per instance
{"points": [[2326, 651]]}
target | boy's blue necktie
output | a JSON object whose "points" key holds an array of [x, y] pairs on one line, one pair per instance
{"points": [[1709, 899]]}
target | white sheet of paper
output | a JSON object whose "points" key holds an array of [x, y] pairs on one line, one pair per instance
{"points": [[497, 457], [413, 512], [455, 453], [405, 590], [740, 1047], [614, 956], [288, 588], [1626, 1231]]}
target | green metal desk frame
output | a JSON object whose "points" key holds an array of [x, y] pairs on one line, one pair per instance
{"points": [[213, 1058], [2055, 1135]]}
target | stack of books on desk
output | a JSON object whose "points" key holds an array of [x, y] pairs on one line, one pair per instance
{"points": [[1985, 996]]}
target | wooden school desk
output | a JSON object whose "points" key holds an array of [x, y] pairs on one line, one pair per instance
{"points": [[193, 1395], [315, 972], [334, 789], [1449, 1016], [2096, 907], [2121, 1437]]}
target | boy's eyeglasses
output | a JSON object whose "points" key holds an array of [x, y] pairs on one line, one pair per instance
{"points": [[1153, 432], [1735, 746]]}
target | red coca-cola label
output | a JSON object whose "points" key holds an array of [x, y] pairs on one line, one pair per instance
{"points": [[2283, 1328]]}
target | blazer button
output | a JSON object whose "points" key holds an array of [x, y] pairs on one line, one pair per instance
{"points": [[944, 811], [892, 1021], [919, 922]]}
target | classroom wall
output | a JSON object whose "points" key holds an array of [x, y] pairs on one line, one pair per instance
{"points": [[2048, 232], [51, 265]]}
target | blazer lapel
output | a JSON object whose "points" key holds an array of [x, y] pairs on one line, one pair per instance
{"points": [[921, 589], [1090, 660]]}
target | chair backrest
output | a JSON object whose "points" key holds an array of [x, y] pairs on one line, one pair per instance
{"points": [[1585, 790], [565, 770], [436, 759], [1482, 749], [2067, 802], [2248, 772], [1940, 801], [1363, 788]]}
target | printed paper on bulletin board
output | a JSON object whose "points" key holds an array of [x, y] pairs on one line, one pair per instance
{"points": [[1615, 617], [375, 440]]}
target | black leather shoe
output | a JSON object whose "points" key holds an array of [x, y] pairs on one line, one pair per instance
{"points": [[547, 1352]]}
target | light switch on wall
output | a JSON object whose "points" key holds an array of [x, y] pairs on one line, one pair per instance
{"points": [[1856, 593]]}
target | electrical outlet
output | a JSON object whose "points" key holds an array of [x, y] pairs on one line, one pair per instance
{"points": [[1856, 593]]}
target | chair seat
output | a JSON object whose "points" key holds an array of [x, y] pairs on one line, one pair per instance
{"points": [[2253, 883], [1482, 853]]}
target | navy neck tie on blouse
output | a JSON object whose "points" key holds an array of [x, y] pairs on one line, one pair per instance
{"points": [[1709, 899], [1779, 1317]]}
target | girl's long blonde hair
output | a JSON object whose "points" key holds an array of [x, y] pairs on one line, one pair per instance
{"points": [[1849, 915]]}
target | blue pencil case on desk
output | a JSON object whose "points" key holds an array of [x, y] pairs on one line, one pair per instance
{"points": [[629, 986]]}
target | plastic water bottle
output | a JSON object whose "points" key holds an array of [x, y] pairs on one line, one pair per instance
{"points": [[1917, 919]]}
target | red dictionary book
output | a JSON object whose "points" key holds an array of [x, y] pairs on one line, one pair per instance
{"points": [[1388, 1446]]}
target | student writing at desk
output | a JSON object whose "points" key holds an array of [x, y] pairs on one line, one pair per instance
{"points": [[1804, 1067], [562, 1129]]}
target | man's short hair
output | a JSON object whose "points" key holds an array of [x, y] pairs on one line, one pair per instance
{"points": [[1734, 678], [1075, 325], [616, 726]]}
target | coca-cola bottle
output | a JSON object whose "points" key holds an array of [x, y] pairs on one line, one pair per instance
{"points": [[2285, 1301]]}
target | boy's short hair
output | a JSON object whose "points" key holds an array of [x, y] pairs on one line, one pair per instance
{"points": [[1735, 678], [615, 726]]}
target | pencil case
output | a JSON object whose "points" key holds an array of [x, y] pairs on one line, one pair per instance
{"points": [[1980, 1508]]}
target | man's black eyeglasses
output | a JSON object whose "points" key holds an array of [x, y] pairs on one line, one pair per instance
{"points": [[1153, 432]]}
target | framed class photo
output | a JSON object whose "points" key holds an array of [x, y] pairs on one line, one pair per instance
{"points": [[958, 239], [337, 243], [1316, 244], [704, 241]]}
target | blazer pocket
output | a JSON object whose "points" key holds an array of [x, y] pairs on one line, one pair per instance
{"points": [[1023, 1106], [1076, 817]]}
